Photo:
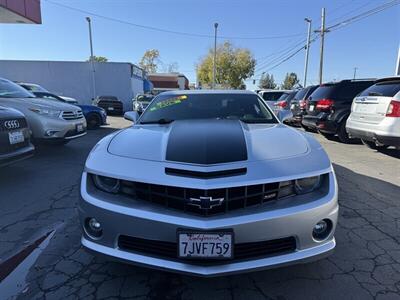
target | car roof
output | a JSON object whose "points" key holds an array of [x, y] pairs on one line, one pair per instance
{"points": [[391, 78]]}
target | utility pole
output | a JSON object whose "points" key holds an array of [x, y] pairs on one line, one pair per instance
{"points": [[92, 58], [215, 55], [398, 63], [355, 72], [322, 31], [307, 50]]}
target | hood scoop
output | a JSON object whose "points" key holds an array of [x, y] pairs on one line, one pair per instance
{"points": [[205, 175], [206, 142]]}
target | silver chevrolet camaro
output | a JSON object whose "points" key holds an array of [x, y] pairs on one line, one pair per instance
{"points": [[209, 183]]}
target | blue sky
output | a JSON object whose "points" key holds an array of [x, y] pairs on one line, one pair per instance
{"points": [[371, 44]]}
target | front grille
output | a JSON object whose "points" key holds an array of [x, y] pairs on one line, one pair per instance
{"points": [[22, 124], [234, 198], [241, 251], [6, 147], [72, 115]]}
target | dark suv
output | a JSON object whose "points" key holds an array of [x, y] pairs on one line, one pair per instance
{"points": [[329, 106], [298, 105], [111, 104], [15, 136]]}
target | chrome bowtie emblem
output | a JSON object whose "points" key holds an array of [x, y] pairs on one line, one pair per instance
{"points": [[12, 124], [206, 202]]}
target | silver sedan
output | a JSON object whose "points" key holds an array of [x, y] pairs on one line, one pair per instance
{"points": [[209, 183]]}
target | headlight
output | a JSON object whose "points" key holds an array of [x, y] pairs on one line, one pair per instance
{"points": [[46, 112], [106, 184], [307, 185]]}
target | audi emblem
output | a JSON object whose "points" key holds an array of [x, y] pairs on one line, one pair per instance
{"points": [[12, 124]]}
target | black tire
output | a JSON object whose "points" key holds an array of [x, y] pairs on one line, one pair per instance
{"points": [[93, 121], [328, 136], [307, 129], [374, 146], [343, 135]]}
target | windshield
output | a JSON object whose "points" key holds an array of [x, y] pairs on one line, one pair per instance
{"points": [[300, 94], [33, 87], [245, 107], [10, 89], [287, 97], [386, 89], [272, 96]]}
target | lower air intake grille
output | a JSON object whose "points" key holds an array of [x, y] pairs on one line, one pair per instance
{"points": [[242, 251]]}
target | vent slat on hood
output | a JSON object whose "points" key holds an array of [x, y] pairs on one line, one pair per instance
{"points": [[206, 142], [205, 175]]}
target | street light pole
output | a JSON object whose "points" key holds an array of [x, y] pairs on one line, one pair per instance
{"points": [[215, 55], [355, 72], [398, 63], [307, 51], [92, 58], [322, 32]]}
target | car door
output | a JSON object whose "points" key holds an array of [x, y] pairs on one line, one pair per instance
{"points": [[372, 104]]}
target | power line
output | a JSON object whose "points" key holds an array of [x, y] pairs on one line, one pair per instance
{"points": [[167, 30], [285, 57]]}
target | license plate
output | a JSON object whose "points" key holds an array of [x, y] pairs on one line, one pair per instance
{"points": [[16, 137], [311, 108], [292, 106], [205, 245], [110, 108], [79, 128]]}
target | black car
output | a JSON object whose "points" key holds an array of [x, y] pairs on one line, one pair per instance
{"points": [[329, 106], [15, 135], [111, 104], [298, 105]]}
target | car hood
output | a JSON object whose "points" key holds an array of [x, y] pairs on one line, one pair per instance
{"points": [[209, 142], [48, 103]]}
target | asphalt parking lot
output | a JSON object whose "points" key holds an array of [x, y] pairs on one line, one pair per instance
{"points": [[38, 204]]}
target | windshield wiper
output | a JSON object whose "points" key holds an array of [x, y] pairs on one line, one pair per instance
{"points": [[160, 121]]}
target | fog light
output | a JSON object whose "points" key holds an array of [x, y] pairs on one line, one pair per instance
{"points": [[322, 229], [93, 228], [50, 132]]}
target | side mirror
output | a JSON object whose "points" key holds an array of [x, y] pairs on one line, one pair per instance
{"points": [[131, 116]]}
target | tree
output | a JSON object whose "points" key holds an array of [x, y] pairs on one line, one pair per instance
{"points": [[290, 81], [99, 58], [267, 81], [150, 61], [233, 66]]}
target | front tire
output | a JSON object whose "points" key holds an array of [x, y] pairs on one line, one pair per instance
{"points": [[374, 146], [93, 121]]}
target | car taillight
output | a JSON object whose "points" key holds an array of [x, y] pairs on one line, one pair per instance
{"points": [[281, 104], [325, 104], [302, 104], [393, 109]]}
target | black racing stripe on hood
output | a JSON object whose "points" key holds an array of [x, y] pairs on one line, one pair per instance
{"points": [[206, 142]]}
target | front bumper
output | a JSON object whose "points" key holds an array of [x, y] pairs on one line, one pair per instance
{"points": [[289, 219], [52, 129], [17, 155]]}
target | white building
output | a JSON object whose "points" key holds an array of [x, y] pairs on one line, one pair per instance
{"points": [[74, 79]]}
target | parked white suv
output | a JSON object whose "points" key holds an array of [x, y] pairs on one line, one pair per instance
{"points": [[375, 114], [50, 121]]}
